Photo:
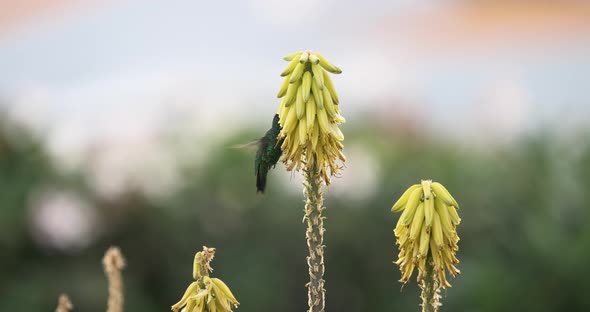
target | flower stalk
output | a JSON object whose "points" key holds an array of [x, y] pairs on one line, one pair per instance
{"points": [[430, 293], [315, 239]]}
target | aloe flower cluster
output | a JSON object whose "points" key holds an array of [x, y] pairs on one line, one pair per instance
{"points": [[310, 114], [427, 229], [206, 294]]}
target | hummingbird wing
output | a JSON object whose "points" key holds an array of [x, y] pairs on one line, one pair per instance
{"points": [[251, 146]]}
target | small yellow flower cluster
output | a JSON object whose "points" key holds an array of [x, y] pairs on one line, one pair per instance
{"points": [[309, 115], [427, 227], [206, 293]]}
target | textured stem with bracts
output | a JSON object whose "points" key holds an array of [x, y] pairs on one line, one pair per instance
{"points": [[114, 262], [64, 304], [430, 289], [315, 238]]}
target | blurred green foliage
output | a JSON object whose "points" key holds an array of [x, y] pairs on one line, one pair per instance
{"points": [[525, 243]]}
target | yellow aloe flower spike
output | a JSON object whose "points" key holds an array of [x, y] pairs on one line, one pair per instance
{"points": [[426, 235], [206, 294], [311, 141]]}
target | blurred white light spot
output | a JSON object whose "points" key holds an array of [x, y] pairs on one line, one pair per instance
{"points": [[359, 179], [293, 181], [505, 111], [62, 221], [132, 164]]}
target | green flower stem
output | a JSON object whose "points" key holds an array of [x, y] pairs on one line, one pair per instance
{"points": [[315, 238], [430, 289]]}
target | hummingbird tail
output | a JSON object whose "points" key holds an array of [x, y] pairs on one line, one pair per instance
{"points": [[261, 180]]}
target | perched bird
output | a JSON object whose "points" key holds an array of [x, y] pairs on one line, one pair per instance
{"points": [[268, 154]]}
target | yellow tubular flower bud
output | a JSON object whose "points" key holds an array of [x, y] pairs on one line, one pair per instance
{"points": [[428, 212], [424, 242], [304, 57], [416, 225], [330, 86], [436, 231], [302, 131], [454, 215], [443, 278], [408, 272], [400, 204], [444, 194], [192, 289], [297, 72], [327, 65], [339, 119], [284, 87], [292, 56], [300, 103], [314, 59], [291, 93], [306, 84], [290, 121], [436, 258], [318, 76], [445, 219], [289, 69], [413, 202], [400, 230], [283, 110], [286, 142], [317, 95], [421, 268], [319, 154], [226, 291], [310, 113], [415, 248], [336, 133], [323, 120], [295, 144], [426, 188], [328, 104], [315, 136], [406, 215], [197, 265]]}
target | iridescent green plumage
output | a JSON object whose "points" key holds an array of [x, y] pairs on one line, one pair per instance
{"points": [[268, 154]]}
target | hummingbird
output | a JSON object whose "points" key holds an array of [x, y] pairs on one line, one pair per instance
{"points": [[268, 153]]}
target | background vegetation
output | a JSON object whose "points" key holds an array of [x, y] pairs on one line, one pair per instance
{"points": [[524, 236]]}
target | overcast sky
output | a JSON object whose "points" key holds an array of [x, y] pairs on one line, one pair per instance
{"points": [[113, 68]]}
